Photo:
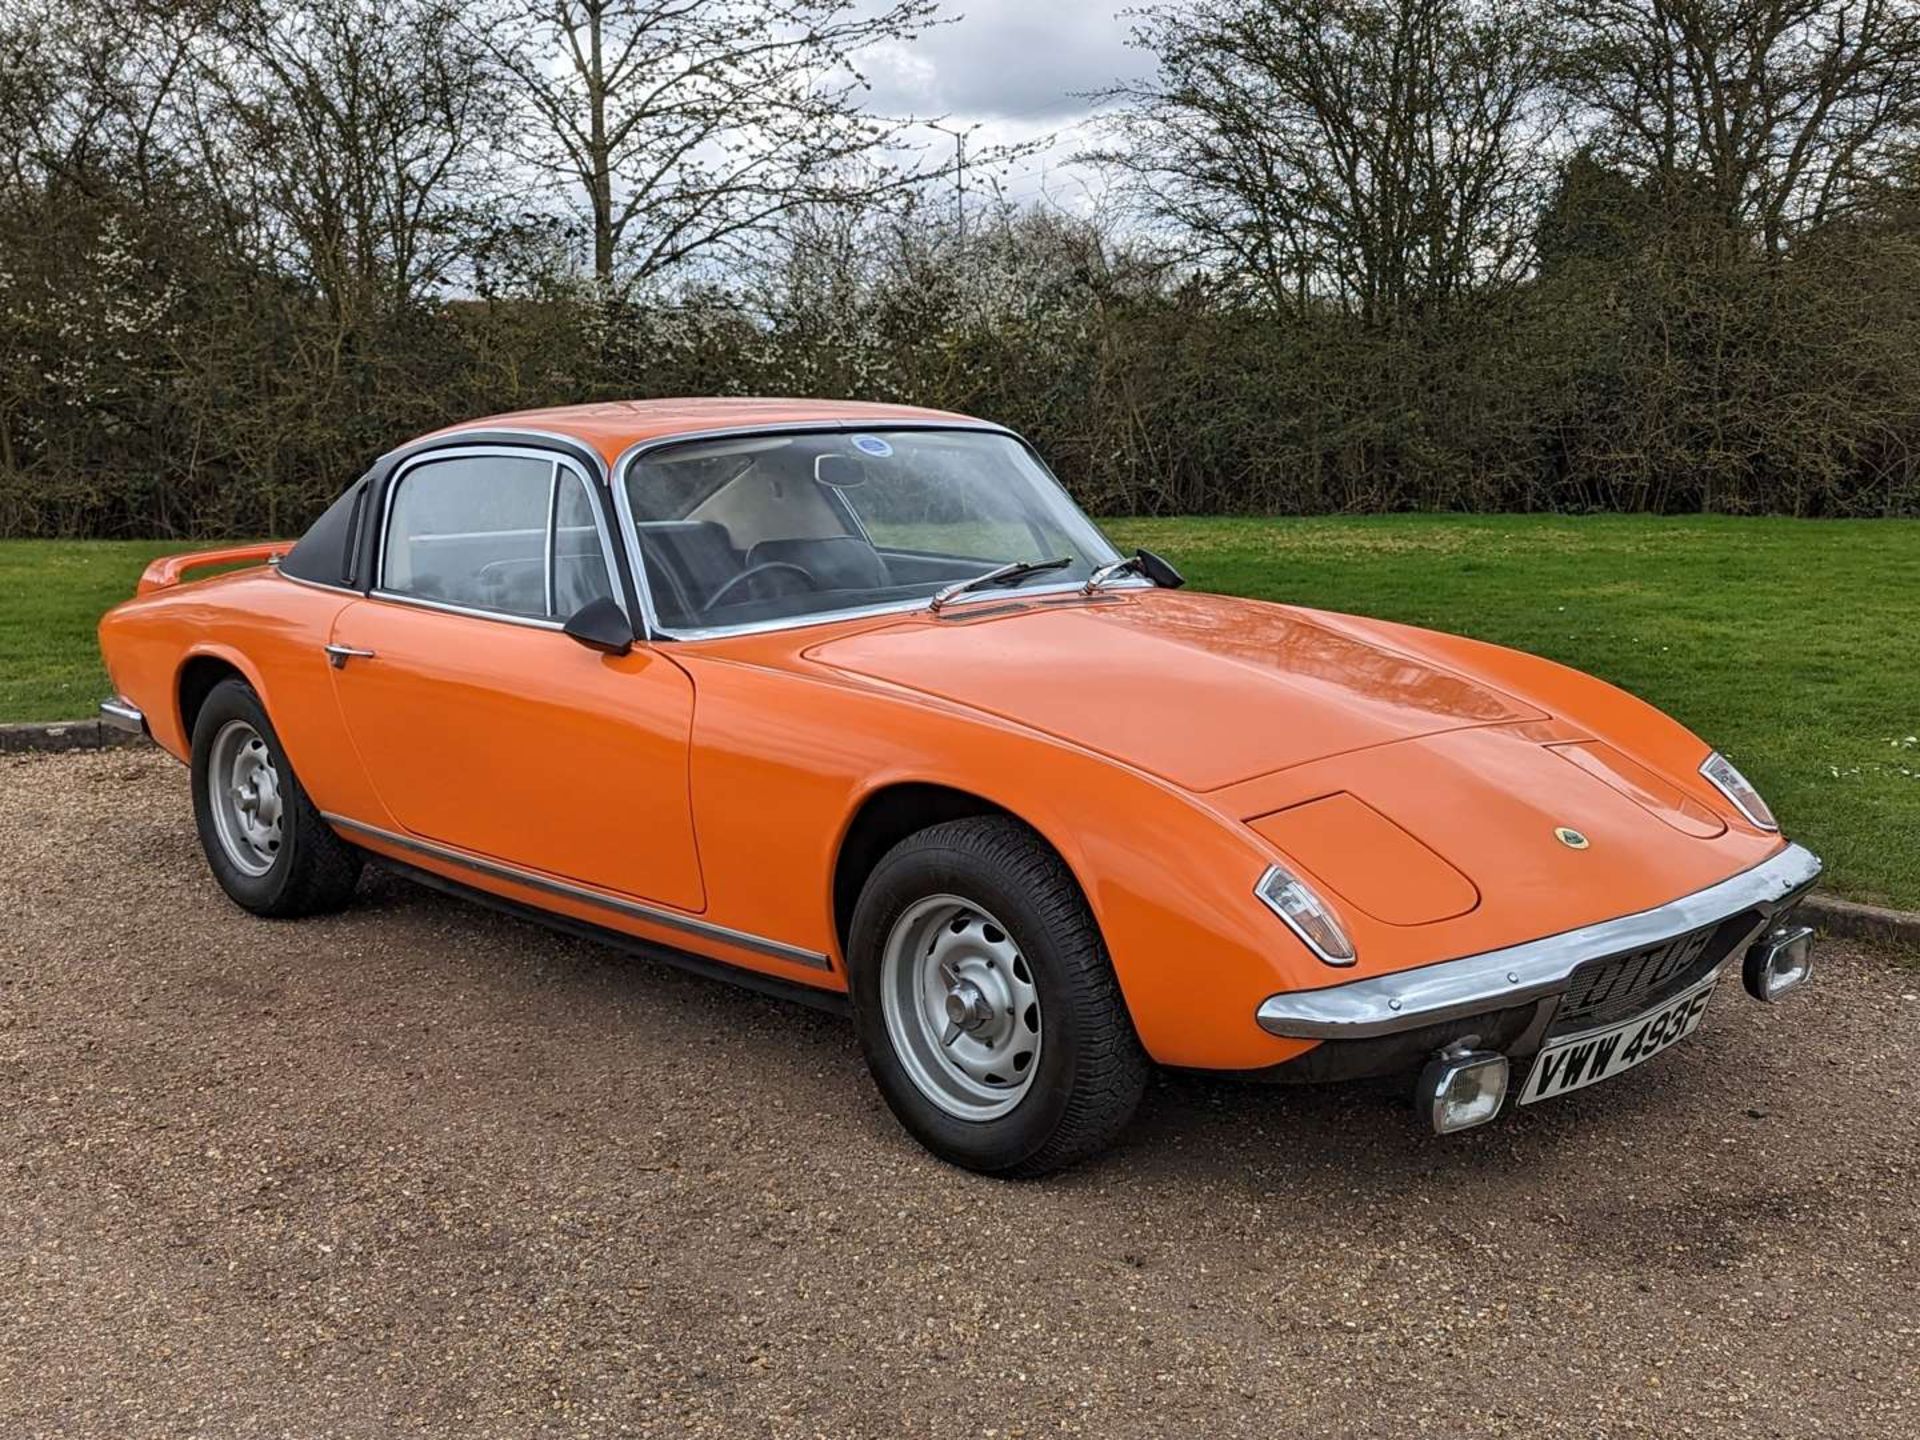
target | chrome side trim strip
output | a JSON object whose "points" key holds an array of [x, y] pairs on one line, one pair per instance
{"points": [[122, 714], [1530, 971], [513, 874]]}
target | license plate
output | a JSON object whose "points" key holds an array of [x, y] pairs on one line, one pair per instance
{"points": [[1580, 1060]]}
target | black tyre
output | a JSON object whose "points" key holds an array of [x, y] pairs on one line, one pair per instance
{"points": [[264, 841], [986, 1004]]}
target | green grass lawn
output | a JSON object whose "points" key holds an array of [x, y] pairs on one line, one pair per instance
{"points": [[52, 594], [1792, 645]]}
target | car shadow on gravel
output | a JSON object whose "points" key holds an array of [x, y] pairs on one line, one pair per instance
{"points": [[1339, 1143]]}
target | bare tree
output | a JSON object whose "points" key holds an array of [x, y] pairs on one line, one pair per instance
{"points": [[1774, 113], [1385, 154], [84, 93], [688, 127], [352, 137]]}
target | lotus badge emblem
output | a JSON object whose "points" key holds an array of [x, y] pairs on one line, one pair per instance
{"points": [[1572, 839]]}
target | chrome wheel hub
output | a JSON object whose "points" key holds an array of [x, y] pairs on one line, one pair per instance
{"points": [[968, 1008], [243, 792], [961, 1007]]}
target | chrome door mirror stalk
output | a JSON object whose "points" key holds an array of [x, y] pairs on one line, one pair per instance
{"points": [[1110, 572], [1159, 571], [1143, 563], [601, 625]]}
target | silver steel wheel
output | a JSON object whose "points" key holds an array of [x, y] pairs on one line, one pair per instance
{"points": [[243, 792], [961, 1007]]}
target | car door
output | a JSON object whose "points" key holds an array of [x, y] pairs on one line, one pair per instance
{"points": [[480, 724]]}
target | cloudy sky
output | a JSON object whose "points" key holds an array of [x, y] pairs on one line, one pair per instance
{"points": [[1020, 68]]}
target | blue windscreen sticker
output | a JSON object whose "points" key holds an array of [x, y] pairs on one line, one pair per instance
{"points": [[872, 445]]}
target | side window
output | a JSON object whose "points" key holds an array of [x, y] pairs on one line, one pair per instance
{"points": [[472, 530], [579, 564]]}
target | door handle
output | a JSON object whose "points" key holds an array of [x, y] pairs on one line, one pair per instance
{"points": [[338, 655]]}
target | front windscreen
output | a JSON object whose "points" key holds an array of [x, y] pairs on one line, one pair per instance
{"points": [[760, 528]]}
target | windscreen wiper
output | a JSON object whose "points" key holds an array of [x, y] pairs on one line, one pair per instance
{"points": [[1011, 574]]}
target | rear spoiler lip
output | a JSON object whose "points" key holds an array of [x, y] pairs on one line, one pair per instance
{"points": [[170, 570]]}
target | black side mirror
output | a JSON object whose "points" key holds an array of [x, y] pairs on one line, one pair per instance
{"points": [[1159, 571], [601, 625]]}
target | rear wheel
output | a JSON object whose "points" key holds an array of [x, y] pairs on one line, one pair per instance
{"points": [[264, 840], [985, 1002]]}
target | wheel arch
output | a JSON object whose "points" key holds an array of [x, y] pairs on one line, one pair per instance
{"points": [[199, 672], [888, 814]]}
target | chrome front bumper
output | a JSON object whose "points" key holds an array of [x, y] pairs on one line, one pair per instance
{"points": [[1536, 970], [123, 715]]}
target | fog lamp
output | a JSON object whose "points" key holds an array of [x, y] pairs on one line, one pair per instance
{"points": [[1460, 1089], [1778, 963]]}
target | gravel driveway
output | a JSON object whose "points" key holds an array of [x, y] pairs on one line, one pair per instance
{"points": [[422, 1170]]}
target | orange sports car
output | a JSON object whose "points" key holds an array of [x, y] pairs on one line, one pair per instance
{"points": [[852, 702]]}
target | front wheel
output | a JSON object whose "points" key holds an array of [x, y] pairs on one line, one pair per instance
{"points": [[264, 840], [985, 1002]]}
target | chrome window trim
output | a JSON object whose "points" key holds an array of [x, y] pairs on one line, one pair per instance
{"points": [[356, 547], [316, 584], [447, 607], [619, 905], [552, 540], [492, 450], [630, 534], [1531, 971], [485, 436]]}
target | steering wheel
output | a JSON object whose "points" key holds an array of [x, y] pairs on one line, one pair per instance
{"points": [[764, 567]]}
